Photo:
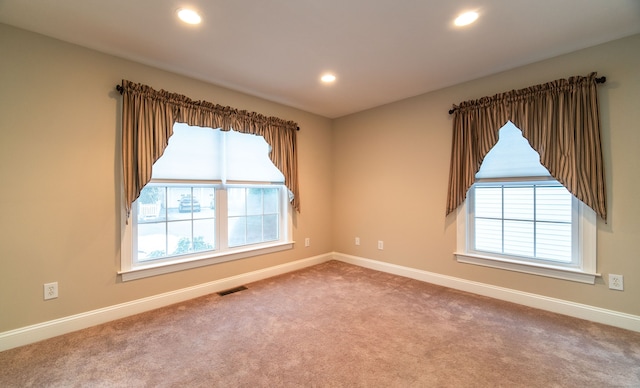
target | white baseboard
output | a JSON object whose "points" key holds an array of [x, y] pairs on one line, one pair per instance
{"points": [[577, 310], [34, 333]]}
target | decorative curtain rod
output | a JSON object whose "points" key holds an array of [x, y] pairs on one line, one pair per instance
{"points": [[120, 89], [600, 80]]}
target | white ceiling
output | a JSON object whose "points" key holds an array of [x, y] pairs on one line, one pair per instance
{"points": [[380, 50]]}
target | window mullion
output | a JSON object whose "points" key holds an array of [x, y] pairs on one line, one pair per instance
{"points": [[502, 218], [193, 245], [166, 221], [535, 221], [262, 215], [222, 219], [246, 215]]}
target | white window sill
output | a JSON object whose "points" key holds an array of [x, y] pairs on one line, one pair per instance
{"points": [[557, 272], [164, 267]]}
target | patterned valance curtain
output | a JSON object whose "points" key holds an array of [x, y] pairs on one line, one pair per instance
{"points": [[148, 117], [560, 119]]}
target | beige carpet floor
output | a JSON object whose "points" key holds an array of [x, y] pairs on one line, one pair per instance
{"points": [[334, 325]]}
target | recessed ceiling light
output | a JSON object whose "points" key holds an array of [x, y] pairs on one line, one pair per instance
{"points": [[328, 78], [466, 18], [189, 16]]}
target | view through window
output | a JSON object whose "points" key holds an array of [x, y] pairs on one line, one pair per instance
{"points": [[212, 193]]}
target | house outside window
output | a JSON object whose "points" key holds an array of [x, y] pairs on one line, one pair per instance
{"points": [[517, 217]]}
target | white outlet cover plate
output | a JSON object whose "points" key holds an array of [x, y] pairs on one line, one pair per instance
{"points": [[616, 282], [50, 290]]}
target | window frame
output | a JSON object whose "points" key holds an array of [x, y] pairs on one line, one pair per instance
{"points": [[584, 226], [505, 184], [131, 269]]}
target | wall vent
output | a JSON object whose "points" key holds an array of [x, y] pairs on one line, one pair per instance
{"points": [[232, 290]]}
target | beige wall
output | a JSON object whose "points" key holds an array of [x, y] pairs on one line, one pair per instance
{"points": [[379, 175], [60, 174], [391, 169]]}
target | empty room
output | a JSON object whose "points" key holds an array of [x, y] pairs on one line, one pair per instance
{"points": [[324, 194]]}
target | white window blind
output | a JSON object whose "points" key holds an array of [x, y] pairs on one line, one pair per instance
{"points": [[512, 156], [196, 153]]}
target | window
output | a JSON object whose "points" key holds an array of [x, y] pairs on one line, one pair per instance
{"points": [[517, 217], [214, 196], [528, 220]]}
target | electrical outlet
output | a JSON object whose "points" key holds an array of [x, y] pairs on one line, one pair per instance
{"points": [[616, 282], [357, 240], [50, 290], [307, 242], [380, 244]]}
